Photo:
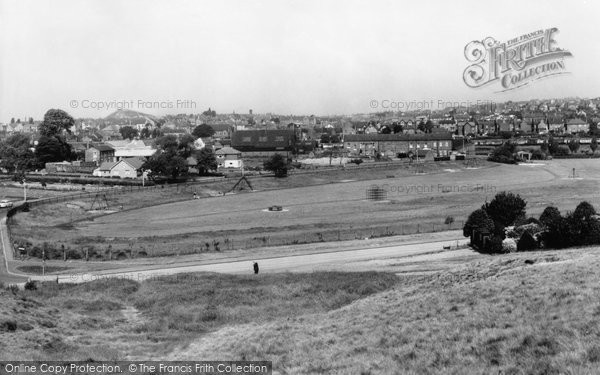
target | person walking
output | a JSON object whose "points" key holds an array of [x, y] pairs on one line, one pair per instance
{"points": [[255, 268]]}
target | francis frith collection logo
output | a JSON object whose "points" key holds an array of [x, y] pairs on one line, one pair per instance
{"points": [[516, 62]]}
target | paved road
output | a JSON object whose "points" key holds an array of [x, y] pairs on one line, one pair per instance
{"points": [[6, 254], [346, 260]]}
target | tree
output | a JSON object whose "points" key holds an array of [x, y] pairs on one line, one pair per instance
{"points": [[203, 131], [593, 127], [553, 146], [156, 133], [277, 164], [505, 208], [594, 145], [31, 120], [397, 128], [185, 147], [12, 120], [504, 153], [206, 161], [584, 211], [550, 217], [55, 122], [16, 154], [145, 133], [128, 132], [170, 161], [573, 145], [165, 164], [168, 143], [425, 127], [52, 149], [544, 147], [478, 220]]}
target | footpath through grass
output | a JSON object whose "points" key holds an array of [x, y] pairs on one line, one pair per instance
{"points": [[116, 318]]}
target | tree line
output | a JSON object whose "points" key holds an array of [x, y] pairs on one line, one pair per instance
{"points": [[502, 225]]}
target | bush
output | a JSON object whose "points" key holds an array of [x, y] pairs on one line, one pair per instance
{"points": [[449, 220], [505, 208], [504, 154], [538, 155], [509, 245], [584, 211], [277, 164], [31, 285], [551, 216], [73, 254], [495, 245], [8, 326], [356, 161], [561, 151], [527, 242], [478, 220]]}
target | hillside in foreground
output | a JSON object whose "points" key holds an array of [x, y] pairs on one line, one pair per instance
{"points": [[524, 313], [528, 313]]}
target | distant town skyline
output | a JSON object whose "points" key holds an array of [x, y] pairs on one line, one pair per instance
{"points": [[309, 57]]}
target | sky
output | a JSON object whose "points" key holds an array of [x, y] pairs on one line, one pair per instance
{"points": [[318, 57]]}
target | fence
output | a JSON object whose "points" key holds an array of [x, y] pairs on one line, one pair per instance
{"points": [[196, 244], [218, 243]]}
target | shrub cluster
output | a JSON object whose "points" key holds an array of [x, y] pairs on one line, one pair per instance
{"points": [[504, 153], [501, 226]]}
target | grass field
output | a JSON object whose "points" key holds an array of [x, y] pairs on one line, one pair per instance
{"points": [[521, 313], [502, 315], [312, 213], [119, 319]]}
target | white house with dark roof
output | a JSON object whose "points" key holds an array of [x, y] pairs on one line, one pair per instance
{"points": [[228, 157], [125, 168]]}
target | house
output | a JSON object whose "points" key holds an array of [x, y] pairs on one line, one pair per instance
{"points": [[100, 153], [435, 144], [556, 124], [228, 157], [104, 169], [110, 131], [448, 125], [577, 125], [542, 128], [125, 168], [222, 131], [505, 125], [468, 127], [263, 143]]}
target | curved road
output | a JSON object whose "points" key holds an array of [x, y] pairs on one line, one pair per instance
{"points": [[347, 260]]}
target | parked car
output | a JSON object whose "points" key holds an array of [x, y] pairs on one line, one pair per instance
{"points": [[5, 203]]}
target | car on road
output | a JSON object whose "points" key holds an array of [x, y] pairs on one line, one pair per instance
{"points": [[5, 203]]}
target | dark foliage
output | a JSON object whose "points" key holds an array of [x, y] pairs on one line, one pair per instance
{"points": [[277, 164], [526, 242]]}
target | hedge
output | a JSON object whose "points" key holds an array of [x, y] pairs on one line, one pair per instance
{"points": [[87, 180]]}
